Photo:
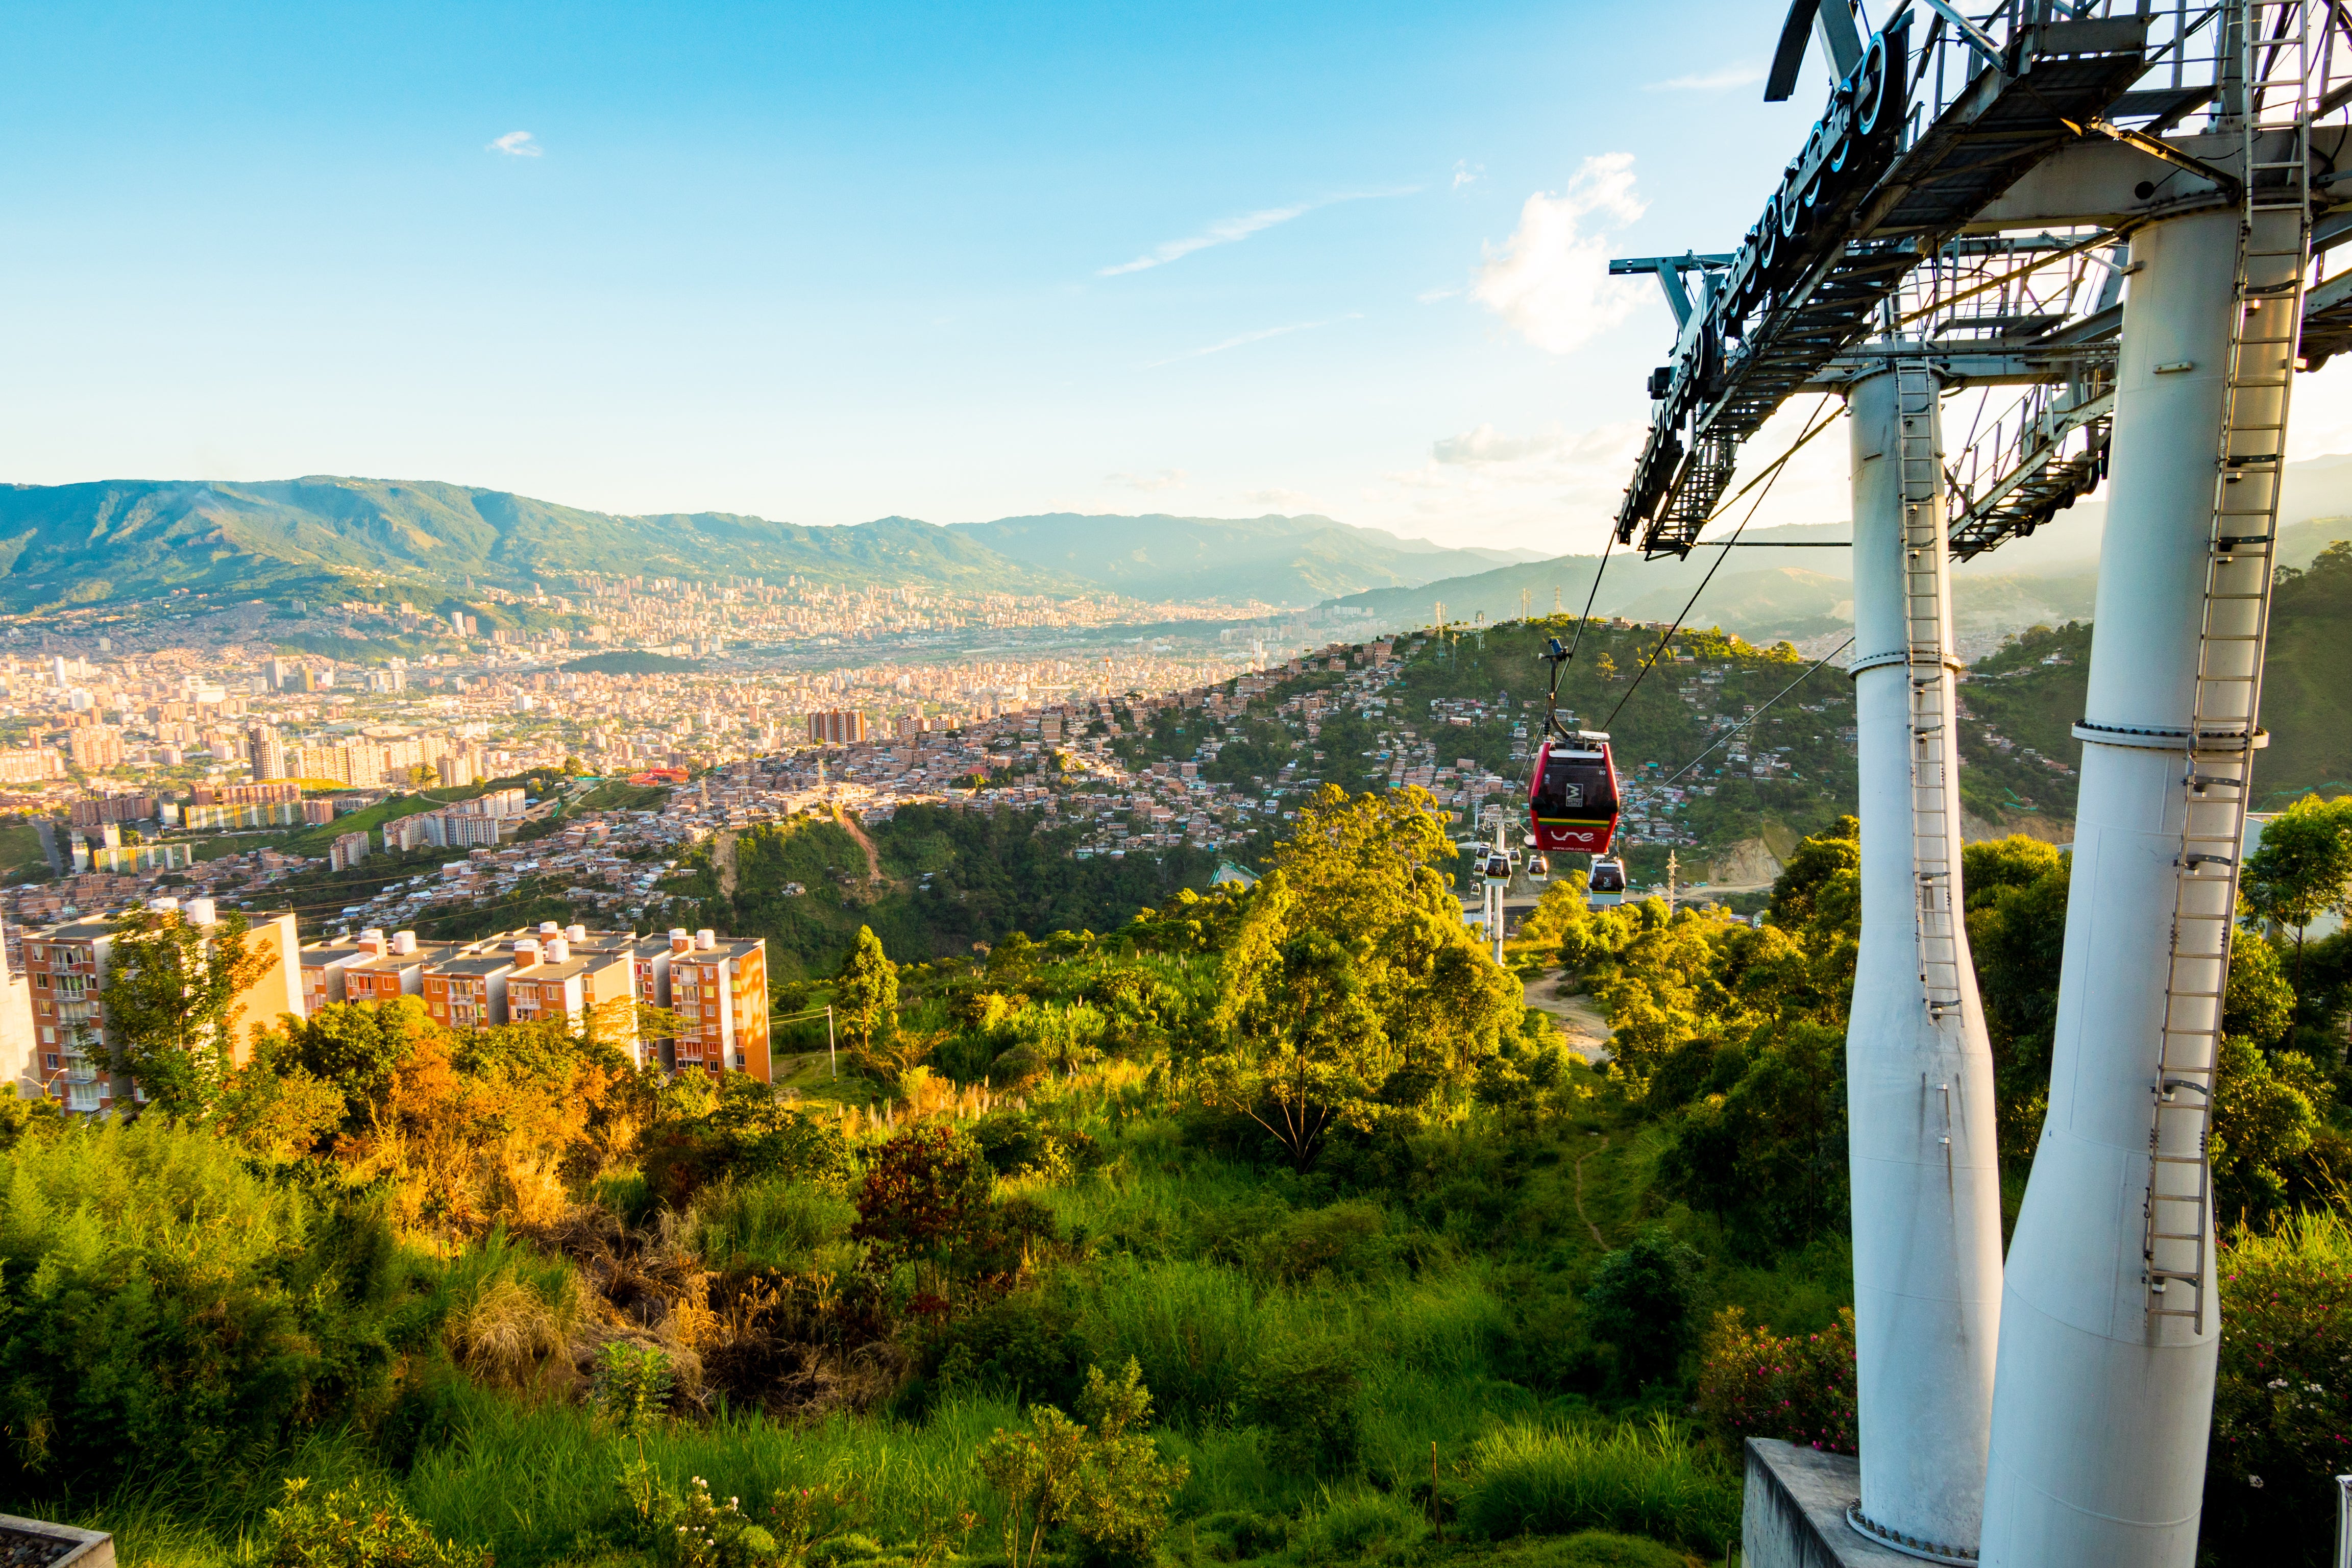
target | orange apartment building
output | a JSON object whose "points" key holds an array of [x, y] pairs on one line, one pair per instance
{"points": [[719, 989], [65, 973]]}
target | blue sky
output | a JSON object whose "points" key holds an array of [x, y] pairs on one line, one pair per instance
{"points": [[831, 263]]}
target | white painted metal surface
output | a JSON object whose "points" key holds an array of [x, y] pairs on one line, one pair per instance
{"points": [[1926, 1189], [2101, 1411]]}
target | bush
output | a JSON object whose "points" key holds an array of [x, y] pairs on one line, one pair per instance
{"points": [[1095, 1482], [1304, 1395], [363, 1525], [1639, 1303], [1799, 1389], [165, 1306], [2282, 1403], [1646, 1480]]}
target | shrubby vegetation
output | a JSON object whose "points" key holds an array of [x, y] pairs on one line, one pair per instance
{"points": [[1265, 1224]]}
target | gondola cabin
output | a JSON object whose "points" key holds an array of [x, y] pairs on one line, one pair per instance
{"points": [[1607, 884], [1573, 800], [1538, 869]]}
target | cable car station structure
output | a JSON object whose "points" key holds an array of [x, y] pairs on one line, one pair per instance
{"points": [[2109, 214]]}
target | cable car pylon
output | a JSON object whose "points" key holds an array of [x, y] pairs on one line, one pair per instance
{"points": [[2008, 200]]}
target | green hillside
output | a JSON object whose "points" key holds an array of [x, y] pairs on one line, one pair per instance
{"points": [[2306, 704], [1272, 559], [949, 879], [2032, 692], [119, 540]]}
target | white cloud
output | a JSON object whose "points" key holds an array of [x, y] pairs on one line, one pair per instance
{"points": [[1466, 173], [1283, 501], [1548, 490], [1707, 82], [1257, 337], [1432, 296], [1165, 479], [1550, 279], [1236, 228], [515, 144]]}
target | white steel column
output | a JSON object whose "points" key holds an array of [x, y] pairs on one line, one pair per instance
{"points": [[1919, 1094], [2102, 1407]]}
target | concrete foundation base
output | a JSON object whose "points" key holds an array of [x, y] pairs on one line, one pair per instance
{"points": [[1793, 1515], [38, 1543]]}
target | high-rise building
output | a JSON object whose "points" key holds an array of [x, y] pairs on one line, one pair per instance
{"points": [[95, 747], [348, 850], [836, 727], [265, 753]]}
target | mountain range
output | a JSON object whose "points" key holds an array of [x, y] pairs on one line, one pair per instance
{"points": [[327, 536], [126, 540]]}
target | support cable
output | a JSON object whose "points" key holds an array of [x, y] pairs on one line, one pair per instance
{"points": [[1760, 710], [1825, 420]]}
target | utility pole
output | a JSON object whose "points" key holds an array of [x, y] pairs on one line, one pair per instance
{"points": [[1673, 868], [831, 1060]]}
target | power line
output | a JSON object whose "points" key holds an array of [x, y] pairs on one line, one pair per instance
{"points": [[1721, 555], [1760, 710]]}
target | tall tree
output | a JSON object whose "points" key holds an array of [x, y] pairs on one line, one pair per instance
{"points": [[2302, 869], [170, 1000], [867, 994]]}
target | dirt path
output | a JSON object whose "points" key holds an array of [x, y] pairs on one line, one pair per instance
{"points": [[722, 855], [872, 856], [1579, 1019], [1597, 1237]]}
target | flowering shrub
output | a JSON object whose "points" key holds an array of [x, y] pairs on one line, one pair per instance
{"points": [[2283, 1402], [362, 1525], [1753, 1383], [699, 1531]]}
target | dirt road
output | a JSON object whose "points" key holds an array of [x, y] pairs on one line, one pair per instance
{"points": [[1579, 1019]]}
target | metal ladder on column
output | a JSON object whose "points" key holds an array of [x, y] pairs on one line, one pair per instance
{"points": [[1924, 652], [2273, 255]]}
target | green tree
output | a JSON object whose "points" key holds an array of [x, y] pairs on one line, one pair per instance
{"points": [[1299, 1049], [2016, 892], [2302, 869], [353, 1048], [170, 1000], [865, 994]]}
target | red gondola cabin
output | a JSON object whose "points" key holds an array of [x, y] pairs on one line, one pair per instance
{"points": [[1573, 801]]}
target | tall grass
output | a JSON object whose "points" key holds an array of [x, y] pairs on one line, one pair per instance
{"points": [[767, 1222], [535, 1482], [1652, 1481]]}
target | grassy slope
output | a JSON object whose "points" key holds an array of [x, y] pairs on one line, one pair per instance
{"points": [[1455, 1296]]}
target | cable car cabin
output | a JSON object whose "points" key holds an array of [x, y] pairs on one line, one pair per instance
{"points": [[1499, 866], [1607, 885], [1538, 869], [1572, 801]]}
